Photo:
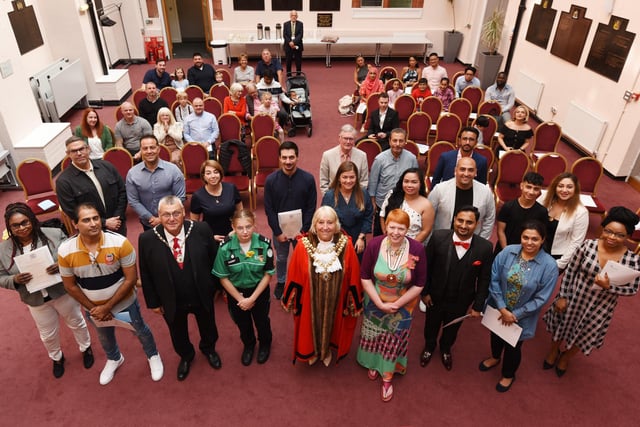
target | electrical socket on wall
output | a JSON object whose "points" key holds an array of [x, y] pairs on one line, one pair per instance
{"points": [[627, 95], [554, 110]]}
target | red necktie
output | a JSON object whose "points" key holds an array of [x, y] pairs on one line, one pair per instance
{"points": [[463, 244], [177, 252]]}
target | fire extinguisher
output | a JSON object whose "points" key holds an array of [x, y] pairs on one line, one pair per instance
{"points": [[160, 53], [152, 58]]}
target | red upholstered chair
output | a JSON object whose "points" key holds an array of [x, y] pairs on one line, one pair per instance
{"points": [[589, 171], [119, 112], [512, 167], [235, 174], [635, 236], [194, 92], [433, 155], [262, 125], [412, 147], [230, 127], [487, 153], [120, 158], [489, 132], [433, 107], [391, 71], [213, 106], [372, 105], [490, 108], [474, 95], [35, 178], [550, 165], [546, 137], [164, 153], [193, 154], [266, 159], [448, 127], [371, 149], [169, 94], [226, 76], [455, 78], [405, 106], [66, 162], [418, 127], [138, 96], [462, 108], [389, 84], [219, 92]]}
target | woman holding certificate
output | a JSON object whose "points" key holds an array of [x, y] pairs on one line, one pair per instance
{"points": [[582, 311], [47, 304], [522, 279]]}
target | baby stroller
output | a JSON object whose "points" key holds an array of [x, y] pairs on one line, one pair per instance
{"points": [[300, 113]]}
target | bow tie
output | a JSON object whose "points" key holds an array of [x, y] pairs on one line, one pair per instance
{"points": [[463, 244]]}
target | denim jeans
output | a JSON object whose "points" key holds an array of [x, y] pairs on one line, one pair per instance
{"points": [[107, 335], [282, 256]]}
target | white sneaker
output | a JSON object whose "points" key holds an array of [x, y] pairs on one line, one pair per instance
{"points": [[157, 370], [423, 307], [109, 370]]}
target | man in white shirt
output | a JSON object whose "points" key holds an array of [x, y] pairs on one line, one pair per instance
{"points": [[434, 72]]}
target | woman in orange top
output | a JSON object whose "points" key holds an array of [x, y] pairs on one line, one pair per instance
{"points": [[235, 103]]}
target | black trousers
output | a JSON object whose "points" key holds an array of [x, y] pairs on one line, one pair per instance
{"points": [[377, 228], [511, 357], [439, 315], [179, 330], [294, 55], [258, 316]]}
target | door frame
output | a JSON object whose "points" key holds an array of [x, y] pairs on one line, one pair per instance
{"points": [[206, 22]]}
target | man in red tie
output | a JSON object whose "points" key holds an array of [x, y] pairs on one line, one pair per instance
{"points": [[175, 267], [461, 279]]}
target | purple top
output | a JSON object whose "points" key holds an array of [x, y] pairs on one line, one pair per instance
{"points": [[419, 274]]}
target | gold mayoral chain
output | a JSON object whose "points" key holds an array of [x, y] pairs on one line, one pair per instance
{"points": [[325, 256], [397, 254]]}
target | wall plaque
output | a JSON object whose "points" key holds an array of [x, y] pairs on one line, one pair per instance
{"points": [[571, 34], [25, 27], [541, 24], [610, 48], [325, 20]]}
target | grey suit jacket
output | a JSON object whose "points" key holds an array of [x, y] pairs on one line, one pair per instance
{"points": [[331, 162], [442, 197]]}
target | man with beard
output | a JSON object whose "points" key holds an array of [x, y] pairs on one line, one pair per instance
{"points": [[467, 141]]}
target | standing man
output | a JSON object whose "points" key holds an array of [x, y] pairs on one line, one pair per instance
{"points": [[157, 75], [129, 129], [461, 278], [382, 121], [94, 181], [463, 190], [387, 168], [150, 105], [516, 212], [504, 94], [176, 258], [151, 180], [98, 269], [467, 141], [201, 126], [288, 189], [467, 79], [201, 74], [343, 152], [268, 62], [293, 32], [434, 72]]}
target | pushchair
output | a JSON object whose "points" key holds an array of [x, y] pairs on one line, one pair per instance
{"points": [[300, 113]]}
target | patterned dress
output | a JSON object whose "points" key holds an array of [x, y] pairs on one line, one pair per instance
{"points": [[385, 337], [588, 315]]}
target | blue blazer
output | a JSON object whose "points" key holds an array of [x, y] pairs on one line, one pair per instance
{"points": [[447, 165]]}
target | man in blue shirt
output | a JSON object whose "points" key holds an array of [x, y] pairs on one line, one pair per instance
{"points": [[158, 75], [504, 94], [201, 126], [467, 79], [151, 180], [288, 189], [267, 62]]}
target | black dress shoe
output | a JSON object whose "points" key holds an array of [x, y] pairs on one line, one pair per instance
{"points": [[485, 368], [87, 358], [58, 367], [263, 354], [183, 369], [560, 372], [247, 356], [503, 389], [214, 360], [277, 293], [425, 358], [447, 361]]}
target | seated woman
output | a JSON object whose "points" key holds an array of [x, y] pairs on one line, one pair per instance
{"points": [[169, 133], [271, 108], [410, 195], [445, 93], [236, 103], [180, 81], [372, 84], [351, 203], [411, 72], [243, 73], [421, 91], [516, 133], [395, 92], [95, 133]]}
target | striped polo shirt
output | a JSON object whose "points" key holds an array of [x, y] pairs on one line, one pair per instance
{"points": [[98, 275]]}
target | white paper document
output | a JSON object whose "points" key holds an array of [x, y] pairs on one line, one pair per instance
{"points": [[510, 334], [120, 320], [46, 204], [618, 274], [290, 223], [457, 320], [36, 263]]}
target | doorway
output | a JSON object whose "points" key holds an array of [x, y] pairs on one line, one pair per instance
{"points": [[186, 25]]}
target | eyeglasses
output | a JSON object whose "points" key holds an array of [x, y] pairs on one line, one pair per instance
{"points": [[77, 150], [613, 233], [174, 215], [23, 224]]}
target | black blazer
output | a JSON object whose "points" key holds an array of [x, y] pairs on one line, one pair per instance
{"points": [[296, 38], [155, 273], [391, 122], [476, 266]]}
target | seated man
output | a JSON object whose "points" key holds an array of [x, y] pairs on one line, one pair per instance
{"points": [[268, 63], [382, 121], [149, 106], [130, 129], [447, 162], [268, 84], [157, 75], [202, 127], [467, 79], [504, 94]]}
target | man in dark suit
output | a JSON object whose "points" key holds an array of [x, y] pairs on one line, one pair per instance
{"points": [[467, 140], [293, 32], [382, 121], [461, 278], [176, 257]]}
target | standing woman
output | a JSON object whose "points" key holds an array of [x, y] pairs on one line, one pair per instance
{"points": [[582, 311], [515, 134], [568, 218], [95, 133], [243, 73], [216, 201], [244, 265], [47, 305], [411, 72], [410, 195], [360, 72], [169, 133], [522, 279], [393, 272], [353, 206]]}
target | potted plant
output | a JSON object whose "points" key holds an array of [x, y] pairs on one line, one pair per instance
{"points": [[489, 61], [452, 39]]}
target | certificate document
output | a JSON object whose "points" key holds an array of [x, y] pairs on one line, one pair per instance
{"points": [[510, 334], [36, 263], [290, 223]]}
